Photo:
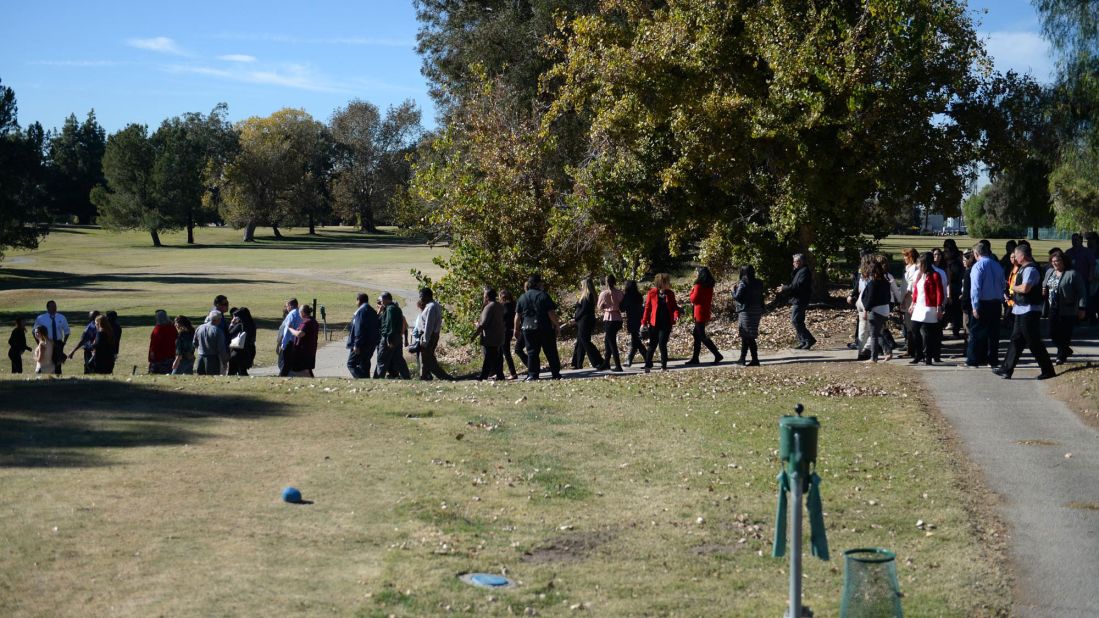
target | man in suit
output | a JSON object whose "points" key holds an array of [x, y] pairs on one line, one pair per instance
{"points": [[363, 338]]}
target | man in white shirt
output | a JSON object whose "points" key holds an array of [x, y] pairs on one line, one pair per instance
{"points": [[57, 329], [429, 326]]}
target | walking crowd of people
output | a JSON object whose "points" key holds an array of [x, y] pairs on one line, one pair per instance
{"points": [[972, 293]]}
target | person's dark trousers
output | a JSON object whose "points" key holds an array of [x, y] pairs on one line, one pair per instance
{"points": [[748, 345], [584, 346], [505, 354], [89, 367], [541, 341], [491, 365], [284, 366], [984, 334], [976, 348], [1027, 332], [636, 346], [797, 318], [208, 365], [1093, 307], [931, 337], [521, 347], [429, 365], [389, 357], [701, 339], [658, 338], [1060, 331], [954, 316], [359, 364], [610, 344], [877, 338], [16, 357]]}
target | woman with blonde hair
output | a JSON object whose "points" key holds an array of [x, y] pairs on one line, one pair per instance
{"points": [[584, 318], [103, 348], [660, 315]]}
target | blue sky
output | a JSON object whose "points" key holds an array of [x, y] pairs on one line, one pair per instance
{"points": [[146, 61]]}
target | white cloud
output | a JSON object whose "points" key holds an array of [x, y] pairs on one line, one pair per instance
{"points": [[1022, 52], [160, 44], [300, 77], [237, 58]]}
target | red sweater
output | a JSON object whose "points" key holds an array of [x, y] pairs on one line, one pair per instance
{"points": [[162, 343], [702, 298], [649, 316], [932, 291]]}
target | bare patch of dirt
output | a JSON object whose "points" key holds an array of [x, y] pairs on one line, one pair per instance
{"points": [[572, 547], [1078, 387]]}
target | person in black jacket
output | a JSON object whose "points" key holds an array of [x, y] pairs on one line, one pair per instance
{"points": [[508, 301], [748, 295], [242, 358], [17, 344], [584, 318], [875, 298], [633, 305], [799, 290], [364, 337]]}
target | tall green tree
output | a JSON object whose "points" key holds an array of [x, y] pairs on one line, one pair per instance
{"points": [[274, 178], [24, 218], [768, 126], [186, 146], [129, 199], [371, 158], [75, 157]]}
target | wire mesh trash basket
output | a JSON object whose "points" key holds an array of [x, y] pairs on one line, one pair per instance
{"points": [[870, 587]]}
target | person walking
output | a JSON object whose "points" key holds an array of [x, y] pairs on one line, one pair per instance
{"points": [[17, 344], [284, 341], [391, 323], [536, 316], [304, 359], [363, 338], [660, 316], [799, 291], [584, 318], [116, 332], [242, 342], [87, 337], [105, 347], [862, 332], [507, 301], [633, 305], [748, 294], [1093, 287], [986, 282], [875, 300], [928, 304], [57, 329], [428, 329], [162, 345], [1026, 331], [184, 363], [955, 272], [911, 272], [43, 351], [938, 262], [490, 327], [609, 307], [702, 300], [210, 347], [1067, 302]]}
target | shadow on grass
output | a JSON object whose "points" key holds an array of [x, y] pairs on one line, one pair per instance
{"points": [[31, 279], [64, 423], [329, 239]]}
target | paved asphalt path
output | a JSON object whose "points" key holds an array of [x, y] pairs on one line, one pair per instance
{"points": [[1033, 452]]}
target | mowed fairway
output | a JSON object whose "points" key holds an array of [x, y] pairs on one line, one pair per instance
{"points": [[651, 495], [89, 268]]}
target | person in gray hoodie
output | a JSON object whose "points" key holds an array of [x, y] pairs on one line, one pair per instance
{"points": [[211, 349]]}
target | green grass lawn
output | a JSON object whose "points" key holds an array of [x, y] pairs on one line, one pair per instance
{"points": [[87, 268], [651, 495]]}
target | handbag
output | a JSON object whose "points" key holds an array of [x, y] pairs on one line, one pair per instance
{"points": [[239, 341]]}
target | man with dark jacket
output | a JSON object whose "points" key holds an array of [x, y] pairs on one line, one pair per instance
{"points": [[800, 289], [536, 317], [363, 338], [390, 352]]}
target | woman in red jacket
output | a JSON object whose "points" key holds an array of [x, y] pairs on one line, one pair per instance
{"points": [[702, 299], [660, 315], [162, 344], [928, 302]]}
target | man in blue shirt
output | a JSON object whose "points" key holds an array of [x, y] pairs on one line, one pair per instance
{"points": [[1027, 288], [285, 337], [986, 295]]}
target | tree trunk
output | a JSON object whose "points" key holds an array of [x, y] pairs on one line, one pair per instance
{"points": [[190, 229], [312, 225], [156, 237], [250, 232], [278, 234], [366, 216], [1034, 232]]}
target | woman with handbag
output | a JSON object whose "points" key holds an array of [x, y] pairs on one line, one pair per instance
{"points": [[242, 342], [659, 317]]}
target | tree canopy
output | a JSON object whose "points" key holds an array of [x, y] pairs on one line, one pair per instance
{"points": [[24, 218]]}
